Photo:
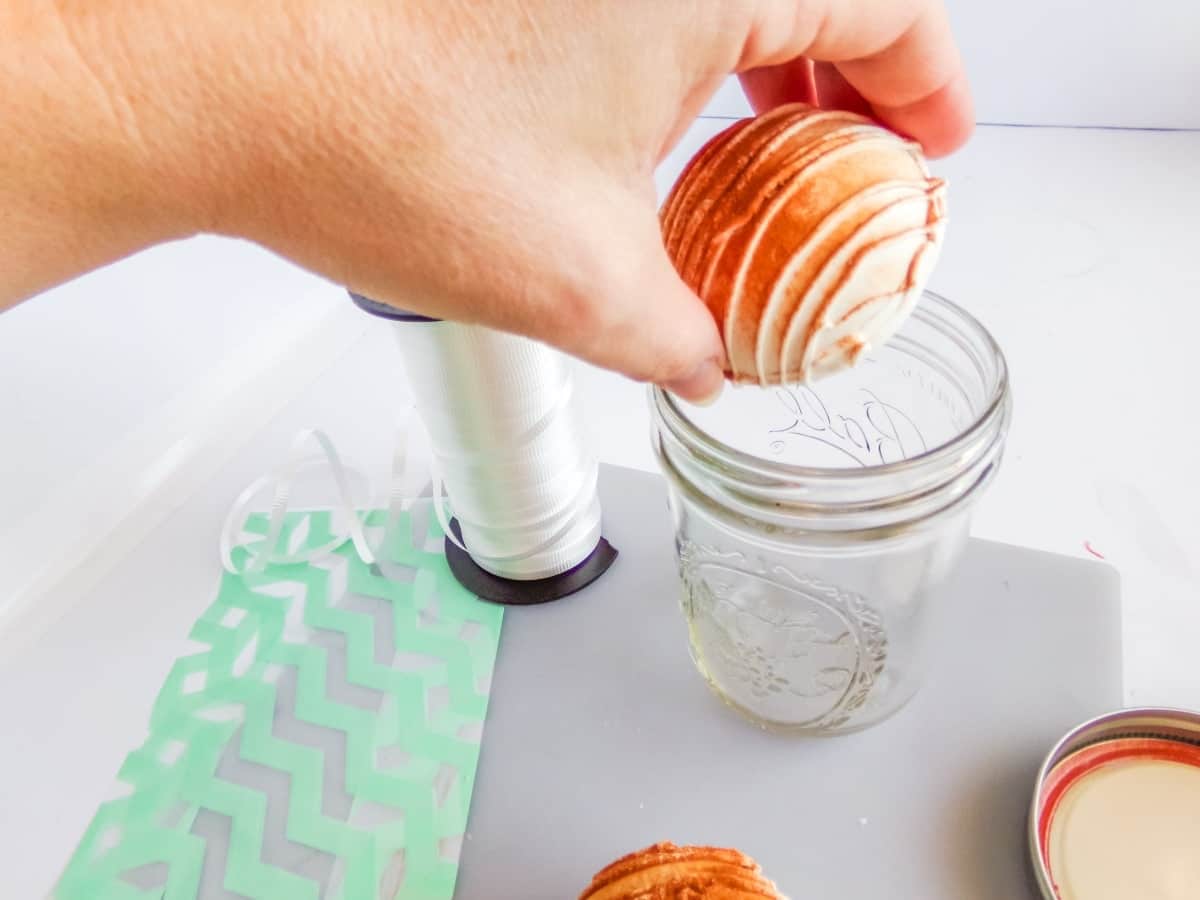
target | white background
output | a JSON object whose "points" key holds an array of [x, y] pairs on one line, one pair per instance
{"points": [[125, 394]]}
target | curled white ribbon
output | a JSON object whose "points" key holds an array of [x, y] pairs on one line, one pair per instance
{"points": [[262, 551]]}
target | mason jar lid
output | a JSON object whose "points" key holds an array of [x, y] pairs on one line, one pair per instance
{"points": [[1116, 808]]}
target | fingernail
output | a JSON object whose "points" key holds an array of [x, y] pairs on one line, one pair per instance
{"points": [[703, 386]]}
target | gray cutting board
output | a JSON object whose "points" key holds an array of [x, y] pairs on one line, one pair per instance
{"points": [[601, 737]]}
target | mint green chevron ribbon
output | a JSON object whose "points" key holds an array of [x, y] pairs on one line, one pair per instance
{"points": [[322, 744]]}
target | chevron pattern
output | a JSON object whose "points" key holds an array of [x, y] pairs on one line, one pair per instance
{"points": [[323, 744]]}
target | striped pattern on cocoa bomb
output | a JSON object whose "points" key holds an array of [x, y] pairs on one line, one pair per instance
{"points": [[809, 234]]}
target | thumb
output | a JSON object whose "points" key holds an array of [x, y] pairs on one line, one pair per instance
{"points": [[638, 317]]}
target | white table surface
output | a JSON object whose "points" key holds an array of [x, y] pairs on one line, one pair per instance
{"points": [[1078, 249]]}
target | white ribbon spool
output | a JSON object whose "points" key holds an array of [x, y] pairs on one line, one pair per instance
{"points": [[507, 444]]}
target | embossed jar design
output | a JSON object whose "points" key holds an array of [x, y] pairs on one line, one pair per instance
{"points": [[815, 525]]}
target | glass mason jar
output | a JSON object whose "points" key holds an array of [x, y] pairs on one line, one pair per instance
{"points": [[814, 524]]}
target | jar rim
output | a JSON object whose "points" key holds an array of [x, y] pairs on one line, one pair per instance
{"points": [[932, 308]]}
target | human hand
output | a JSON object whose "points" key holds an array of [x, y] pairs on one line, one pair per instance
{"points": [[488, 161]]}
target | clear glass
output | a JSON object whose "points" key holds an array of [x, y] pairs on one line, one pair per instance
{"points": [[815, 524]]}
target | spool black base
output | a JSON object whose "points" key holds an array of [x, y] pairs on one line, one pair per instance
{"points": [[510, 592]]}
